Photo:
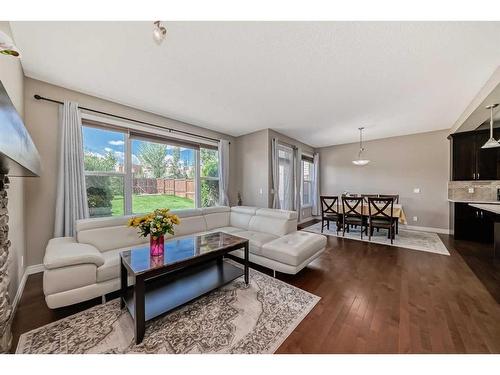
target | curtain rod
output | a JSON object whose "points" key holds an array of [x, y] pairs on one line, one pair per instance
{"points": [[38, 97]]}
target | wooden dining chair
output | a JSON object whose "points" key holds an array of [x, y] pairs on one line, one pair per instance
{"points": [[381, 215], [352, 211], [396, 200], [330, 212], [395, 196]]}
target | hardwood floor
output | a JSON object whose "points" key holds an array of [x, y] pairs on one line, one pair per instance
{"points": [[374, 299]]}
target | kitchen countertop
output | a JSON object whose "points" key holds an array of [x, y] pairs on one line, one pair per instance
{"points": [[495, 208], [472, 201]]}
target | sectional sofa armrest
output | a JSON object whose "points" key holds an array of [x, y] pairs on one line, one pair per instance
{"points": [[65, 251]]}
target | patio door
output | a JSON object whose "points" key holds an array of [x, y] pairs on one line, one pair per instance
{"points": [[286, 186]]}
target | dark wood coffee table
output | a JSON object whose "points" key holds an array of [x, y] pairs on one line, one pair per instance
{"points": [[191, 267]]}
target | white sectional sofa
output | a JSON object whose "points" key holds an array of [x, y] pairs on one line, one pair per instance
{"points": [[87, 266]]}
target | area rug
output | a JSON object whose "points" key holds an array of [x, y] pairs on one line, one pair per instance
{"points": [[408, 239], [234, 319]]}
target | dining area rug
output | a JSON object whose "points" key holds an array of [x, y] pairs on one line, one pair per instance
{"points": [[408, 239], [237, 318]]}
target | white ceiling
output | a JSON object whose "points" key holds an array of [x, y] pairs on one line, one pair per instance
{"points": [[313, 81]]}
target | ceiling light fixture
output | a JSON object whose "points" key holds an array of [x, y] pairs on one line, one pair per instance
{"points": [[159, 32], [492, 142], [7, 46], [360, 161]]}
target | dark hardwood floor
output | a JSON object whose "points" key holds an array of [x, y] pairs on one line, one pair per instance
{"points": [[374, 299]]}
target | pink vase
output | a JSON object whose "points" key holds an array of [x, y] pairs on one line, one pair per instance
{"points": [[156, 246]]}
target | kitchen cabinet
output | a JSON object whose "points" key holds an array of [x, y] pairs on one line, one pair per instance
{"points": [[473, 224], [470, 161]]}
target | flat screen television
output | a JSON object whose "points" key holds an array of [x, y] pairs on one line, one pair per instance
{"points": [[18, 154]]}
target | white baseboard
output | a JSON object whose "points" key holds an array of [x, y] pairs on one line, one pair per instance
{"points": [[414, 227], [425, 229], [30, 270]]}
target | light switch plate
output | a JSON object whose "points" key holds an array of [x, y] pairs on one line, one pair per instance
{"points": [[415, 218], [260, 191], [471, 190], [416, 190]]}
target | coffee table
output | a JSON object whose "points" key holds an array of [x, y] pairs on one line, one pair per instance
{"points": [[191, 267]]}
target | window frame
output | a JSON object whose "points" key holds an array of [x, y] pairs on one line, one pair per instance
{"points": [[127, 174], [207, 178], [304, 180]]}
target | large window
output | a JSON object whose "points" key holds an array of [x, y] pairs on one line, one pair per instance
{"points": [[209, 177], [307, 169], [136, 174], [104, 171], [163, 176]]}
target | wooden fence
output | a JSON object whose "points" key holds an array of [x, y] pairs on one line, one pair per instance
{"points": [[180, 187]]}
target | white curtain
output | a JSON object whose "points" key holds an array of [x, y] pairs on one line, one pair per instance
{"points": [[297, 161], [316, 209], [71, 199], [286, 177], [275, 173], [223, 172]]}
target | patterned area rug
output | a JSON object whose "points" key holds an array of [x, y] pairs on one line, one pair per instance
{"points": [[408, 239], [234, 319]]}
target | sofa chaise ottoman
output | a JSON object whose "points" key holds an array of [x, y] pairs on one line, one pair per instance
{"points": [[88, 265]]}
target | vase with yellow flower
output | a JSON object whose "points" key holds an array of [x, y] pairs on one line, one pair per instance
{"points": [[156, 225]]}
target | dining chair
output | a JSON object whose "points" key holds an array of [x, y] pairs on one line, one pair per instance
{"points": [[395, 196], [381, 215], [396, 200], [352, 211], [366, 196], [330, 212]]}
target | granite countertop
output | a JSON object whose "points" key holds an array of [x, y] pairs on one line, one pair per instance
{"points": [[495, 208], [472, 201]]}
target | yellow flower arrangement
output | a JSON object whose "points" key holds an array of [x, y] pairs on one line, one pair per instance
{"points": [[157, 223]]}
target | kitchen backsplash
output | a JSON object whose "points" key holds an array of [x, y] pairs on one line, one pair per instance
{"points": [[483, 190]]}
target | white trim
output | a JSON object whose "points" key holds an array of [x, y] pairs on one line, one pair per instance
{"points": [[425, 229], [30, 270], [417, 228]]}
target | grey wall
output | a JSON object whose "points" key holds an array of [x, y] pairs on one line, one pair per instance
{"points": [[12, 77], [41, 119], [398, 165], [252, 172]]}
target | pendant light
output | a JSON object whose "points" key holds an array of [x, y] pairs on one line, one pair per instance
{"points": [[159, 32], [360, 161], [492, 142]]}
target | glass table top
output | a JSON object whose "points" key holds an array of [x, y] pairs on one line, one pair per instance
{"points": [[139, 260]]}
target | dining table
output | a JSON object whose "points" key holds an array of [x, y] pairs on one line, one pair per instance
{"points": [[397, 212]]}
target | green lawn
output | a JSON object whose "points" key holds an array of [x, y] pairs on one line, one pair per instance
{"points": [[146, 203]]}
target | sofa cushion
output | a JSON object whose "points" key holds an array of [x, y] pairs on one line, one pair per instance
{"points": [[64, 251], [241, 215], [67, 278], [277, 227], [111, 268], [277, 214], [108, 238], [294, 248], [256, 239], [190, 225], [216, 217]]}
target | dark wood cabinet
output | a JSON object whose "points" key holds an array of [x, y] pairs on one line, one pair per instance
{"points": [[473, 224], [464, 157], [470, 161]]}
